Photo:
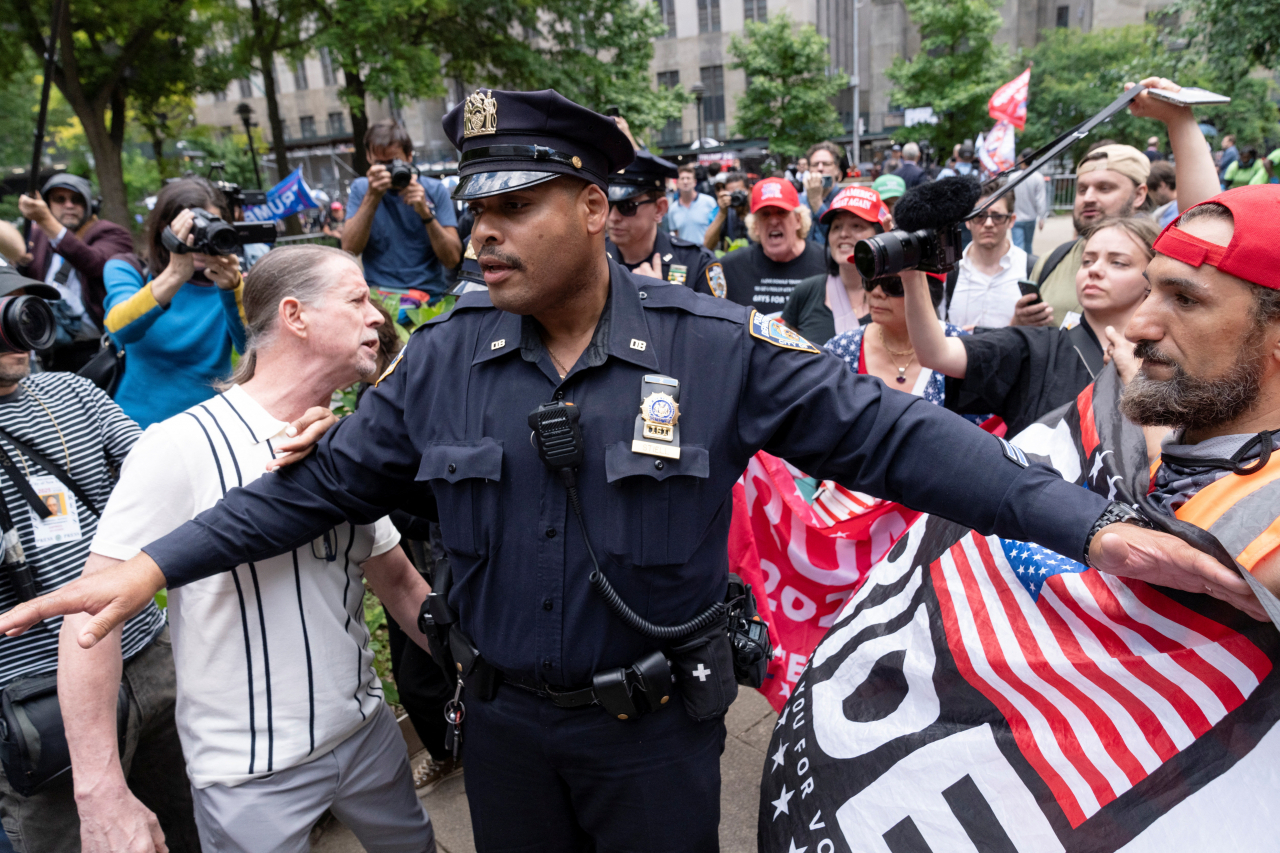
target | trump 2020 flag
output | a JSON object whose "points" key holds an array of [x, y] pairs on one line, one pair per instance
{"points": [[978, 694], [1009, 103], [996, 149], [290, 196]]}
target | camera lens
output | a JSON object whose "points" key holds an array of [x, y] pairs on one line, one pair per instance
{"points": [[220, 238], [738, 198], [401, 174], [26, 323], [889, 253]]}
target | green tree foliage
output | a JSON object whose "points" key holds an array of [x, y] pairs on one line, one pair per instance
{"points": [[19, 104], [1076, 74], [788, 97], [956, 71], [1236, 35]]}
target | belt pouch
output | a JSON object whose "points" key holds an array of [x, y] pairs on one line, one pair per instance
{"points": [[652, 678], [703, 666], [34, 749], [478, 674], [611, 691], [437, 634]]}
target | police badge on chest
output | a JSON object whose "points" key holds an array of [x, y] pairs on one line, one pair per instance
{"points": [[657, 431]]}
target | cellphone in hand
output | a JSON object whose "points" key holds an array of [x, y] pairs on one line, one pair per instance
{"points": [[827, 182], [1028, 288], [1189, 96], [613, 111]]}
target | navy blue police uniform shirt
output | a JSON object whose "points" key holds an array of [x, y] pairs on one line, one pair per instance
{"points": [[683, 262], [448, 424]]}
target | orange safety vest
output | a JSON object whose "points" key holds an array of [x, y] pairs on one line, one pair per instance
{"points": [[1243, 512]]}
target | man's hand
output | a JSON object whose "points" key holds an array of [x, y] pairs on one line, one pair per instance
{"points": [[1157, 558], [110, 596], [304, 434], [35, 209], [1026, 314], [114, 821], [813, 190], [722, 199], [1120, 351], [415, 196], [651, 268], [379, 180], [1145, 106], [626, 130]]}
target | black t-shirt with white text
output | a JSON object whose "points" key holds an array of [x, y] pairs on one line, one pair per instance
{"points": [[753, 279]]}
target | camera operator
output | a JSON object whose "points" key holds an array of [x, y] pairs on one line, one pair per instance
{"points": [[69, 247], [730, 223], [55, 426], [178, 316], [407, 238]]}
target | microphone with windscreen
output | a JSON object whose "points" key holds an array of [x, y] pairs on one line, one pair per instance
{"points": [[928, 234]]}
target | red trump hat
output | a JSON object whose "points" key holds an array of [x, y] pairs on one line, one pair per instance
{"points": [[774, 192], [863, 202], [1253, 253]]}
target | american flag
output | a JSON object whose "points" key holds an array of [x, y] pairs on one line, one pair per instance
{"points": [[1102, 680]]}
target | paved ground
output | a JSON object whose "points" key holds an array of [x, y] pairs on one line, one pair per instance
{"points": [[1057, 230], [750, 724]]}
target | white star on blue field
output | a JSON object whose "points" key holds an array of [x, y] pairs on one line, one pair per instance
{"points": [[1033, 564]]}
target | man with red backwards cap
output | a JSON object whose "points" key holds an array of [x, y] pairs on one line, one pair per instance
{"points": [[763, 274], [1209, 339]]}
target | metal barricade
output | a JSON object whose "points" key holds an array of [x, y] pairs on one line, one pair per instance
{"points": [[1062, 191]]}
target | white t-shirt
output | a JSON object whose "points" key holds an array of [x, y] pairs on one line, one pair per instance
{"points": [[273, 661], [987, 300]]}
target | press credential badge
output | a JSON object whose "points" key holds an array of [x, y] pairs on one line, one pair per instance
{"points": [[64, 523]]}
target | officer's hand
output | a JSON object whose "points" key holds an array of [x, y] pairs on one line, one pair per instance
{"points": [[114, 820], [304, 434], [1157, 558], [722, 199], [651, 268], [1120, 351], [110, 596], [379, 179], [1026, 314], [1145, 106]]}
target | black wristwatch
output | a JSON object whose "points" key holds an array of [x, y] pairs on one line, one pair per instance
{"points": [[1115, 513]]}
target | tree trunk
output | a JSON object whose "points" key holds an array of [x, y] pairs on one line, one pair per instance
{"points": [[266, 62], [359, 117]]}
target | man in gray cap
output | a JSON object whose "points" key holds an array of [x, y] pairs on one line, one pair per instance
{"points": [[69, 247]]}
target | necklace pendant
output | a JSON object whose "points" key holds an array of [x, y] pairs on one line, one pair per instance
{"points": [[902, 376]]}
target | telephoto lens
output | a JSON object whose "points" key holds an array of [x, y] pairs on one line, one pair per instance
{"points": [[889, 253], [401, 174], [26, 323]]}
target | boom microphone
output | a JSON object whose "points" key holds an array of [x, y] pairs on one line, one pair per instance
{"points": [[937, 204]]}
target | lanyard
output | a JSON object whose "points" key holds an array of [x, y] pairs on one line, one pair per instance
{"points": [[23, 486]]}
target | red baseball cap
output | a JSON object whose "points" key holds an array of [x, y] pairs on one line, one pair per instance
{"points": [[1253, 253], [774, 192], [863, 202]]}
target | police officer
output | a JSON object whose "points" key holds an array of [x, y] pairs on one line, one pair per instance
{"points": [[637, 205], [672, 393]]}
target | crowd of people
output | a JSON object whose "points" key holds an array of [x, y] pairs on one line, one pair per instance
{"points": [[238, 715]]}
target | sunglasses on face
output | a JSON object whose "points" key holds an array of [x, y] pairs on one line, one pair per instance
{"points": [[628, 207], [997, 219], [890, 284]]}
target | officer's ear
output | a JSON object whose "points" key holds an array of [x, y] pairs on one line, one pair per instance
{"points": [[661, 206], [595, 206]]}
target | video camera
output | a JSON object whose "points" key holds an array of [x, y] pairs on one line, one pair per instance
{"points": [[929, 215], [236, 195], [213, 236]]}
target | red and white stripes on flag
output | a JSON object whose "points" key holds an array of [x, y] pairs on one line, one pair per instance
{"points": [[1101, 679]]}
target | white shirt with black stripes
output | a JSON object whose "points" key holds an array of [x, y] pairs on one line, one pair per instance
{"points": [[273, 661]]}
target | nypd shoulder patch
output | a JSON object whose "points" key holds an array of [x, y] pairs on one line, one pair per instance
{"points": [[716, 281], [390, 367], [773, 331]]}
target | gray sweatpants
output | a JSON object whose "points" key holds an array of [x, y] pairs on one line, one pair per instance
{"points": [[365, 781]]}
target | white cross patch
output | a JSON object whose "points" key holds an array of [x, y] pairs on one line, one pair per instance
{"points": [[638, 344], [701, 673], [498, 344]]}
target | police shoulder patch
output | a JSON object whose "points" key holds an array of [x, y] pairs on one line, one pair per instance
{"points": [[716, 281], [773, 331], [390, 367]]}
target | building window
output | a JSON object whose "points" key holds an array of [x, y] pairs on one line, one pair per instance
{"points": [[326, 68], [307, 126], [220, 96], [713, 101], [1064, 16], [300, 75], [673, 132], [668, 17], [337, 124], [246, 88], [755, 10], [708, 16]]}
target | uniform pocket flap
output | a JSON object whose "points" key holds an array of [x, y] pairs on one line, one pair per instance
{"points": [[620, 462], [462, 460]]}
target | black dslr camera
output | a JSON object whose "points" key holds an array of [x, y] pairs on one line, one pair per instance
{"points": [[402, 174], [928, 239], [213, 236], [26, 323], [739, 198]]}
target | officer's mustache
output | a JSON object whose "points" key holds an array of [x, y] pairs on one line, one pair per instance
{"points": [[497, 256]]}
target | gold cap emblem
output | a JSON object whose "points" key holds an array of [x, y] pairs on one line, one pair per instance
{"points": [[577, 162], [479, 115]]}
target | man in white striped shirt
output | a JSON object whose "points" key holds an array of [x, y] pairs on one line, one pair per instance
{"points": [[279, 710]]}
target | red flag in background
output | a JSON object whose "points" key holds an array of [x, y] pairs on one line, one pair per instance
{"points": [[1009, 103]]}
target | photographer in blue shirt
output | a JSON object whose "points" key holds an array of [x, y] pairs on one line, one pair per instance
{"points": [[407, 238]]}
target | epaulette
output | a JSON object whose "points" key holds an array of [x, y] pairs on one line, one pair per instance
{"points": [[654, 294]]}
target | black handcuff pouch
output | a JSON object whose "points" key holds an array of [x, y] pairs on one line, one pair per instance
{"points": [[641, 688]]}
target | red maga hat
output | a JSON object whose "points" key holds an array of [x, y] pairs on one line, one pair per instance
{"points": [[863, 202], [774, 192], [1253, 253]]}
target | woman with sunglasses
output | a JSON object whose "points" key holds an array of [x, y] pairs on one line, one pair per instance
{"points": [[835, 302], [1023, 372], [882, 348]]}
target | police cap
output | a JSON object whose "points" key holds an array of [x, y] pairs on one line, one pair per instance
{"points": [[647, 172], [511, 140]]}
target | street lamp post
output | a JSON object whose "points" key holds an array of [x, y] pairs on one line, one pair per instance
{"points": [[698, 91], [854, 80], [246, 113]]}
